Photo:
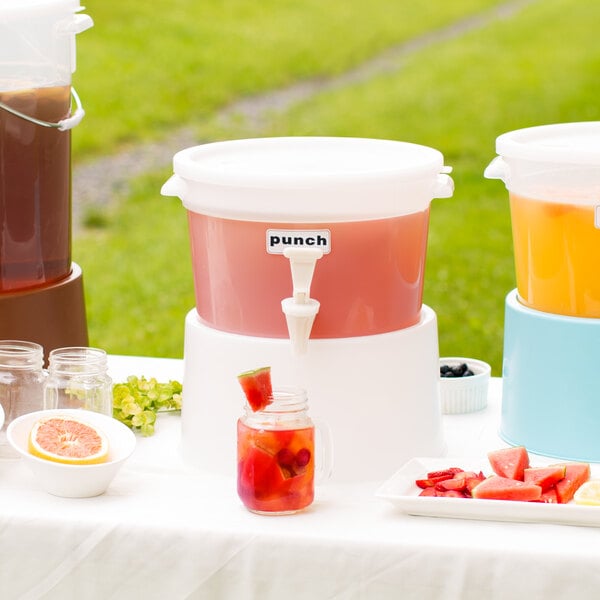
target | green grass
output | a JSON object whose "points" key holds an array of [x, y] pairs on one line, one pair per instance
{"points": [[145, 68], [539, 66]]}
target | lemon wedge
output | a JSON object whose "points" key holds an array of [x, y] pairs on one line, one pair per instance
{"points": [[588, 493]]}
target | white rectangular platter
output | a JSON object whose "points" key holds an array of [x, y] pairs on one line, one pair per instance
{"points": [[402, 491]]}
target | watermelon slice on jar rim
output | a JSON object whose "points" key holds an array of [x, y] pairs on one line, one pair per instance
{"points": [[257, 387]]}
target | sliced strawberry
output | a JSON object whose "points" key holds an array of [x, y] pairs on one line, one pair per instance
{"points": [[429, 491], [431, 481], [450, 471], [472, 482], [457, 484]]}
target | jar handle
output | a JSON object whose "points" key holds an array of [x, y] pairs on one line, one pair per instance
{"points": [[323, 451]]}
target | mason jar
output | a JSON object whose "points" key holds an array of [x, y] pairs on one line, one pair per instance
{"points": [[21, 382], [276, 455], [78, 378]]}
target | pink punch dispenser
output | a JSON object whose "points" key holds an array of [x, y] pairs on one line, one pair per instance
{"points": [[309, 256]]}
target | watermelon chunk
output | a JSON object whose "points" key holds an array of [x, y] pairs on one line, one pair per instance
{"points": [[503, 488], [576, 474], [257, 387], [545, 477], [549, 496], [509, 462], [259, 475]]}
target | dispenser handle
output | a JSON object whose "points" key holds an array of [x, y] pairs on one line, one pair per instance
{"points": [[61, 125], [444, 186], [497, 169]]}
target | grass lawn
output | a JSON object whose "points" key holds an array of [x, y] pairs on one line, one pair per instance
{"points": [[145, 68], [456, 95]]}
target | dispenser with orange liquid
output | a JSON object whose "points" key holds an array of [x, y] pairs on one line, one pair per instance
{"points": [[552, 320]]}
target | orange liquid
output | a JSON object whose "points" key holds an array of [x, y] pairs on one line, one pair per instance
{"points": [[371, 282], [275, 468], [557, 256], [35, 190]]}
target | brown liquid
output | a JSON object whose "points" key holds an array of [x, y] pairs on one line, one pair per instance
{"points": [[35, 190]]}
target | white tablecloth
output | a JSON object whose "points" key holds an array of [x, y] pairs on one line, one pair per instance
{"points": [[165, 531]]}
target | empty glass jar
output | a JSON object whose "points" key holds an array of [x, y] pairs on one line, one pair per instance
{"points": [[78, 378], [21, 382]]}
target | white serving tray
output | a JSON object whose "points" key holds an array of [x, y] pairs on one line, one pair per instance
{"points": [[403, 493]]}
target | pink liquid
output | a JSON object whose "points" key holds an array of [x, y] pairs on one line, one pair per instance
{"points": [[275, 468], [371, 282]]}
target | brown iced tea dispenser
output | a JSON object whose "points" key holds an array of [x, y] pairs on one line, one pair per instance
{"points": [[41, 289]]}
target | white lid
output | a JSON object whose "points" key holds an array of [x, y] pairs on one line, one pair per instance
{"points": [[13, 8], [572, 143], [309, 177]]}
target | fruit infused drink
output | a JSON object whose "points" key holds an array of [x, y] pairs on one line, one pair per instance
{"points": [[557, 253], [275, 468], [275, 447]]}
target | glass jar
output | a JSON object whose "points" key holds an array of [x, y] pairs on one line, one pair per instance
{"points": [[78, 378], [276, 455], [21, 382]]}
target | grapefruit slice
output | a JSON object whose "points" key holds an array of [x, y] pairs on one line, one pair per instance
{"points": [[67, 439], [257, 387]]}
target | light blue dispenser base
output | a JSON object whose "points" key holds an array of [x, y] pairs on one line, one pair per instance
{"points": [[551, 383]]}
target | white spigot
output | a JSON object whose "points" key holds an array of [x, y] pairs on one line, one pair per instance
{"points": [[300, 310]]}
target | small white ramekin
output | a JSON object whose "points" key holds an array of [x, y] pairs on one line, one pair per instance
{"points": [[464, 394]]}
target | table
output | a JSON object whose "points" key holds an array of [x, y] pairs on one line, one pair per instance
{"points": [[165, 531]]}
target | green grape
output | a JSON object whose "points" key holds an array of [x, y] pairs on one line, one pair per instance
{"points": [[137, 401]]}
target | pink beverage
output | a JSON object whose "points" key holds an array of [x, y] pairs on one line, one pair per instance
{"points": [[275, 468], [35, 189], [370, 282]]}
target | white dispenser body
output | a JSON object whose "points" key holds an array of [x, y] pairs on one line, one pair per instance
{"points": [[378, 394]]}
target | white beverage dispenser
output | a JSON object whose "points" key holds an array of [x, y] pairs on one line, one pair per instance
{"points": [[309, 256]]}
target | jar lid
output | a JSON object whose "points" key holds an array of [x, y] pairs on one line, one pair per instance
{"points": [[571, 143]]}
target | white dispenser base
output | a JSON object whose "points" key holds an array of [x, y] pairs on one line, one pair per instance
{"points": [[379, 394]]}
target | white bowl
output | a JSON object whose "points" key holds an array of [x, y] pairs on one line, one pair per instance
{"points": [[74, 481], [1, 417], [464, 394]]}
